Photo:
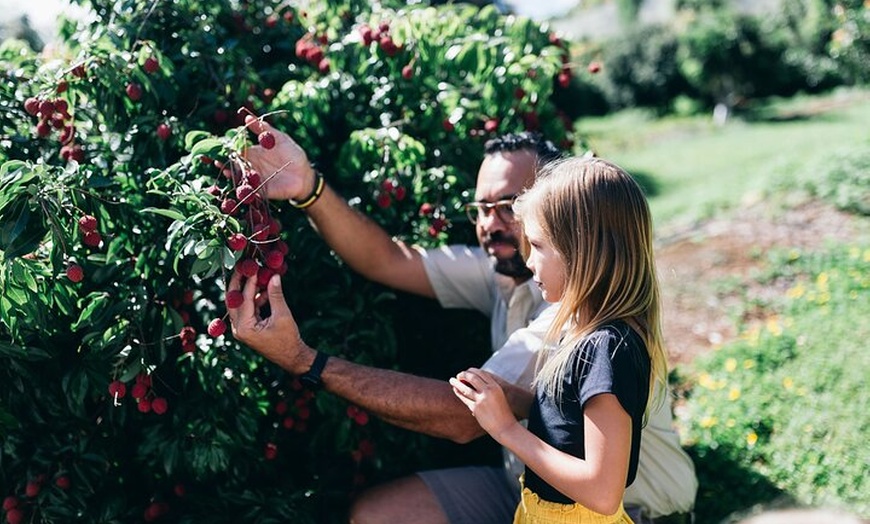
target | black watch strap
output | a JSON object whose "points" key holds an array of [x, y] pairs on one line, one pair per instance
{"points": [[311, 378]]}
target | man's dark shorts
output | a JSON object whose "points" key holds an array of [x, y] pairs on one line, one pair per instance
{"points": [[473, 495]]}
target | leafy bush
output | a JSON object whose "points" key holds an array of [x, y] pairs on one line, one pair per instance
{"points": [[115, 404], [727, 57], [641, 69], [784, 403], [842, 177]]}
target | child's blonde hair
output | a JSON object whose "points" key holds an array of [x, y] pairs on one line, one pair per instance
{"points": [[598, 220]]}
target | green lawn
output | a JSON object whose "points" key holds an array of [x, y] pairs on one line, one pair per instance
{"points": [[693, 168]]}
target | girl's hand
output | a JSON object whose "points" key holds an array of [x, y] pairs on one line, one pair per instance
{"points": [[481, 392]]}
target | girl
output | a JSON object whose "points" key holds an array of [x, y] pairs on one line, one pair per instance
{"points": [[589, 244]]}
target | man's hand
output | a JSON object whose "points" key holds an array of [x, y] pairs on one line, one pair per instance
{"points": [[284, 167], [276, 337]]}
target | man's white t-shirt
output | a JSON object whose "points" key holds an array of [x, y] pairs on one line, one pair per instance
{"points": [[464, 277]]}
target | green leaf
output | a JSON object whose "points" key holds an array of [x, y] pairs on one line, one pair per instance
{"points": [[168, 213], [192, 137], [210, 147], [97, 303], [15, 351]]}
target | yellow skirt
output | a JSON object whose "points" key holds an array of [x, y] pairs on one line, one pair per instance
{"points": [[533, 510]]}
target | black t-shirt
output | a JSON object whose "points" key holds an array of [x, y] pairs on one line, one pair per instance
{"points": [[612, 359]]}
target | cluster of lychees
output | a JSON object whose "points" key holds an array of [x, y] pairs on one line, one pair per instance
{"points": [[142, 392], [311, 48], [438, 222], [390, 189], [15, 507], [381, 35], [293, 417], [91, 238], [53, 114], [262, 251]]}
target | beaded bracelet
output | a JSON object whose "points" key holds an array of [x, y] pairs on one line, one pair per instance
{"points": [[319, 184]]}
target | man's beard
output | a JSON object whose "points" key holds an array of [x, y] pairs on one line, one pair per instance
{"points": [[514, 267]]}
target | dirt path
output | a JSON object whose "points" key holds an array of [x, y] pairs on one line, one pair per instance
{"points": [[698, 314]]}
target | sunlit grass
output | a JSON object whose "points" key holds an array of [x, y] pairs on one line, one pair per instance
{"points": [[694, 168]]}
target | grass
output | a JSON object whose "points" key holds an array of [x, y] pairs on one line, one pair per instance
{"points": [[778, 417], [692, 168]]}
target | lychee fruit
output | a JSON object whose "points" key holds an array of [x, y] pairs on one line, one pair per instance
{"points": [[266, 139], [234, 299], [134, 91], [237, 241], [75, 273], [217, 327], [151, 65]]}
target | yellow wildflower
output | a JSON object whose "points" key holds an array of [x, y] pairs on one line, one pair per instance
{"points": [[787, 383], [709, 422], [730, 365], [797, 291], [773, 326], [824, 298], [751, 438], [734, 393], [822, 281], [706, 381], [748, 363]]}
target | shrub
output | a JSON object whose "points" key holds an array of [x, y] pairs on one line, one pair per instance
{"points": [[641, 69], [843, 178], [114, 255]]}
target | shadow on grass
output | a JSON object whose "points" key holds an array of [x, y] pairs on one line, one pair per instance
{"points": [[727, 489]]}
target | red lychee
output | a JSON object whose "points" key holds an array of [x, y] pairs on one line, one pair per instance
{"points": [[234, 299], [117, 389], [164, 131], [134, 91], [75, 273], [266, 139], [92, 239], [159, 406], [237, 241], [15, 516], [217, 327], [151, 65]]}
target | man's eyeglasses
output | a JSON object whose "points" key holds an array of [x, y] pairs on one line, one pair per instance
{"points": [[503, 209]]}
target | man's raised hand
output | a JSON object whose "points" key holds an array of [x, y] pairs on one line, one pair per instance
{"points": [[284, 166]]}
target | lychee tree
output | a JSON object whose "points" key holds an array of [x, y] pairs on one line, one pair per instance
{"points": [[125, 203]]}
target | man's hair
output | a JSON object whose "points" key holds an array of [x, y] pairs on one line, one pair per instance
{"points": [[544, 150]]}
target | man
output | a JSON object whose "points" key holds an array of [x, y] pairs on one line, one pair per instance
{"points": [[492, 279]]}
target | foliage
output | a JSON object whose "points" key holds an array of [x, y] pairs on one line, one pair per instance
{"points": [[641, 68], [784, 402], [115, 253], [842, 177], [727, 57]]}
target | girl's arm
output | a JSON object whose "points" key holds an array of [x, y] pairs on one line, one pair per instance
{"points": [[598, 482]]}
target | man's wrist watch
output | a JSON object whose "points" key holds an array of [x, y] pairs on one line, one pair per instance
{"points": [[311, 378]]}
